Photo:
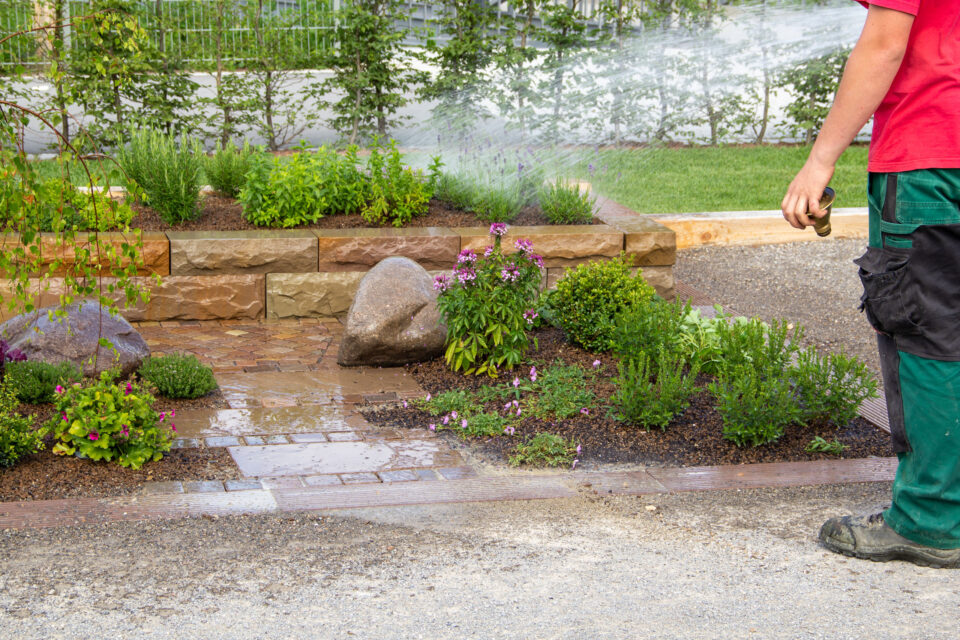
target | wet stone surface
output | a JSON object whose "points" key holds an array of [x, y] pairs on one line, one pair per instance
{"points": [[244, 391]]}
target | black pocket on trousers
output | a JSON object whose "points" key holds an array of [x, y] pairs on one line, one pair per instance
{"points": [[883, 273]]}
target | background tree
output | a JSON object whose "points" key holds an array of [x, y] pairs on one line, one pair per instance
{"points": [[515, 63], [812, 84], [372, 69], [564, 35]]}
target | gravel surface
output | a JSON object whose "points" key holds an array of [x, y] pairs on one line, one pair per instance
{"points": [[813, 283], [730, 564]]}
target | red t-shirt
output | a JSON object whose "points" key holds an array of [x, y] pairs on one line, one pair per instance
{"points": [[917, 126]]}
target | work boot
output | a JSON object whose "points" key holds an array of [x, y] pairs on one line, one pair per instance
{"points": [[871, 538]]}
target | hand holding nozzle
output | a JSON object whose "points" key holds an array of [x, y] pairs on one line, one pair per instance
{"points": [[822, 225]]}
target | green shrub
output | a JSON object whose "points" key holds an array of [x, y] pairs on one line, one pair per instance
{"points": [[480, 425], [227, 168], [755, 409], [589, 298], [167, 172], [831, 387], [499, 204], [821, 445], [108, 421], [756, 345], [398, 193], [487, 305], [34, 382], [564, 203], [458, 191], [459, 401], [649, 328], [561, 392], [649, 392], [545, 450], [18, 438], [178, 375], [72, 209]]}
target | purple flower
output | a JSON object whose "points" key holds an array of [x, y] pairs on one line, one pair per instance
{"points": [[515, 403], [533, 374], [432, 426], [519, 167], [516, 382], [509, 431], [404, 404], [509, 274], [585, 411], [466, 256], [446, 420], [591, 168], [519, 411], [59, 389], [454, 415], [574, 465], [578, 449], [463, 423], [596, 363], [536, 259], [506, 407], [428, 396], [441, 283], [523, 245], [530, 315], [498, 229], [466, 275], [488, 251]]}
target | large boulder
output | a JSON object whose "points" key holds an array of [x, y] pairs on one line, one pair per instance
{"points": [[393, 319], [76, 338]]}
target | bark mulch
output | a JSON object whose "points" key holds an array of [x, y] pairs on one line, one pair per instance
{"points": [[45, 476], [219, 213], [694, 438]]}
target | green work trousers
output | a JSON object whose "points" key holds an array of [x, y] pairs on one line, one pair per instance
{"points": [[911, 279]]}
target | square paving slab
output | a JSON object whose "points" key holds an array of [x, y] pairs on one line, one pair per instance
{"points": [[317, 458], [202, 423]]}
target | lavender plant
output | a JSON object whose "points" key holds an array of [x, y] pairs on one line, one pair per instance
{"points": [[488, 306]]}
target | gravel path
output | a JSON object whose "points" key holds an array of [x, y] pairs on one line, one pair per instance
{"points": [[732, 564], [813, 283]]}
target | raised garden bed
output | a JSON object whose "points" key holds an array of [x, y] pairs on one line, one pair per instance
{"points": [[693, 438]]}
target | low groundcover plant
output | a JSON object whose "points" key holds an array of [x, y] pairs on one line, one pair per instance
{"points": [[110, 421]]}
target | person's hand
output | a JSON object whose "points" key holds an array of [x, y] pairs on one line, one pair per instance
{"points": [[802, 200]]}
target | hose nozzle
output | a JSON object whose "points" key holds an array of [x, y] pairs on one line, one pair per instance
{"points": [[822, 225]]}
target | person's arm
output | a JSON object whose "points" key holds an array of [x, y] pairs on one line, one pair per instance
{"points": [[867, 77]]}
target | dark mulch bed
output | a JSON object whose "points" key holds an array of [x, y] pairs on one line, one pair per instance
{"points": [[694, 438], [226, 214], [45, 476]]}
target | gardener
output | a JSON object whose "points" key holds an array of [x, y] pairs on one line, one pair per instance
{"points": [[905, 70]]}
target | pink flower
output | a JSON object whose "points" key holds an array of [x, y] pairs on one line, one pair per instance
{"points": [[509, 274], [533, 374], [441, 283], [536, 259], [463, 424], [466, 256], [59, 389], [65, 417], [509, 431], [518, 411], [428, 396], [432, 426], [578, 449], [128, 390], [524, 246], [94, 436], [585, 411], [516, 382], [163, 416], [173, 412], [173, 426], [498, 229], [454, 415], [530, 315], [488, 251], [404, 404], [446, 420], [574, 465], [506, 407], [465, 275], [596, 363], [515, 403]]}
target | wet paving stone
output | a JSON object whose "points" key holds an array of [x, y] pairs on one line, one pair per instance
{"points": [[308, 437], [322, 481], [199, 423], [359, 478], [222, 441], [242, 485], [281, 483], [185, 443], [339, 457], [154, 488], [457, 473], [343, 436], [323, 386], [404, 475], [203, 486]]}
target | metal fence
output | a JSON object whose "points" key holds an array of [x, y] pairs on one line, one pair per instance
{"points": [[187, 30]]}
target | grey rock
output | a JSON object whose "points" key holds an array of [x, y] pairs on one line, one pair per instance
{"points": [[393, 319], [75, 338]]}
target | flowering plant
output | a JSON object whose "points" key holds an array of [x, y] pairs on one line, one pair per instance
{"points": [[110, 421], [488, 306]]}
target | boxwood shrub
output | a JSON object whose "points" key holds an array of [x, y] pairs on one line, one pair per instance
{"points": [[178, 375]]}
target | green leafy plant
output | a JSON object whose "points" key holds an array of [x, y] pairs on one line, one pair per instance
{"points": [[831, 387], [110, 421], [649, 328], [227, 168], [589, 298], [755, 409], [564, 203], [821, 445], [650, 392], [167, 171], [561, 391], [480, 425], [459, 401], [545, 450], [755, 345], [487, 305], [178, 375], [398, 193], [34, 382], [18, 438]]}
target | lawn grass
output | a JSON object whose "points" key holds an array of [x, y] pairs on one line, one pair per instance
{"points": [[692, 179]]}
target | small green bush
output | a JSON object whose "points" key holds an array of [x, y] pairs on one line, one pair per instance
{"points": [[34, 382], [167, 172], [589, 298], [108, 421], [821, 445], [227, 168], [480, 425], [446, 402], [564, 203], [754, 344], [649, 392], [755, 409], [649, 328], [18, 438], [178, 375], [545, 450], [831, 387], [398, 193]]}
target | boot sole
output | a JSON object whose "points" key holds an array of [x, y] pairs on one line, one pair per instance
{"points": [[902, 553]]}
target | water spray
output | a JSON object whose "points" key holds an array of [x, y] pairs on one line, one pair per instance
{"points": [[822, 225]]}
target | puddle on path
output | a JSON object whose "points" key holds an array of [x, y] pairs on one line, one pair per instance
{"points": [[202, 423], [278, 388]]}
